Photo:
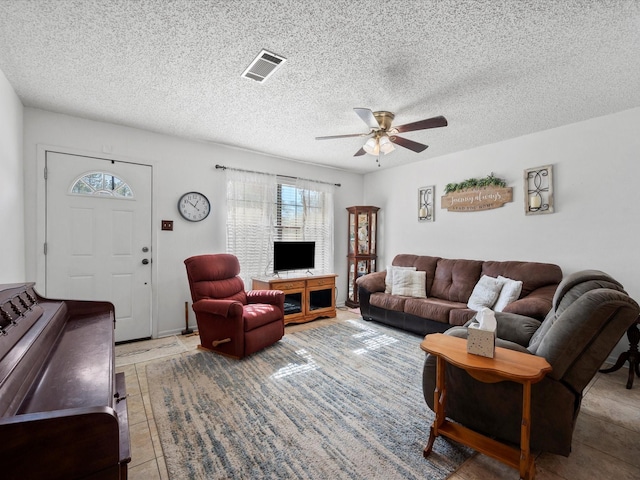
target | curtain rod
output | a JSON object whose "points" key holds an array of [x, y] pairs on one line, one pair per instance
{"points": [[285, 176]]}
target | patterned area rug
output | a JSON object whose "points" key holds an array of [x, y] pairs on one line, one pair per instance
{"points": [[342, 401]]}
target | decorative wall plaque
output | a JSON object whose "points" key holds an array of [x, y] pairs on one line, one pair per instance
{"points": [[426, 196], [477, 199], [538, 189]]}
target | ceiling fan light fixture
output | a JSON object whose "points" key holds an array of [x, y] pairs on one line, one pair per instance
{"points": [[383, 137], [386, 146], [371, 146]]}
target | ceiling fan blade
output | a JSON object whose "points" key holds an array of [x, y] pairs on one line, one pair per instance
{"points": [[343, 136], [410, 144], [434, 122], [367, 117], [359, 152]]}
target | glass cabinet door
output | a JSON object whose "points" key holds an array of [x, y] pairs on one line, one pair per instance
{"points": [[373, 235], [351, 294], [361, 258], [352, 233], [363, 233]]}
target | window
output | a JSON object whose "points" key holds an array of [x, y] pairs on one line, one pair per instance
{"points": [[302, 213], [101, 184], [289, 213], [262, 208]]}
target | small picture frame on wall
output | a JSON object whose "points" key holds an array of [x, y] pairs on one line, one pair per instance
{"points": [[426, 199], [538, 190]]}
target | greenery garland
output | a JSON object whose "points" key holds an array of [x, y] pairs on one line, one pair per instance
{"points": [[471, 183]]}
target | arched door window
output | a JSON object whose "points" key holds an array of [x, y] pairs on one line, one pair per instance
{"points": [[101, 184]]}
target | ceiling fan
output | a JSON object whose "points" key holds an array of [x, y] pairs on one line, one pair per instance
{"points": [[383, 136]]}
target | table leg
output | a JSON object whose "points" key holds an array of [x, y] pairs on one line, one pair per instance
{"points": [[438, 402], [432, 438], [527, 472], [632, 355]]}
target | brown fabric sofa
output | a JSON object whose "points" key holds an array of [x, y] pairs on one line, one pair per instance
{"points": [[449, 284]]}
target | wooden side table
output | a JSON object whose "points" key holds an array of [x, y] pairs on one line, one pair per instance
{"points": [[506, 365], [632, 355]]}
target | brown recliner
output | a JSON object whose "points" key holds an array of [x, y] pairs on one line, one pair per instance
{"points": [[230, 320], [590, 313]]}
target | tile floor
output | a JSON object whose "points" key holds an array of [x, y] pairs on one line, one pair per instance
{"points": [[606, 443]]}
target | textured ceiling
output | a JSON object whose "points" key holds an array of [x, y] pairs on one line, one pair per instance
{"points": [[494, 69]]}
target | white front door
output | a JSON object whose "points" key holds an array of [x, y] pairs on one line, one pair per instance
{"points": [[98, 236]]}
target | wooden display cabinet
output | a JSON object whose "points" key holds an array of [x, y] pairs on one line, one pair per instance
{"points": [[361, 259], [306, 298]]}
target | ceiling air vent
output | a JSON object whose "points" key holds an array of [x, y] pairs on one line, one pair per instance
{"points": [[263, 66]]}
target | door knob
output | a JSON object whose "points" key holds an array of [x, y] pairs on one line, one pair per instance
{"points": [[145, 261]]}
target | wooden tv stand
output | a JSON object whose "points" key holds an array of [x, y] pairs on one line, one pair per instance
{"points": [[306, 298]]}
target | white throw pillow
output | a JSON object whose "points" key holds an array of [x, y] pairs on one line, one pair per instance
{"points": [[485, 293], [410, 283], [510, 293], [388, 280]]}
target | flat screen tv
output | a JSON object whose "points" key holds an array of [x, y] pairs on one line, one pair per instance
{"points": [[293, 256]]}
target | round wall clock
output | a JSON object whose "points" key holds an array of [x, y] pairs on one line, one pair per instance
{"points": [[194, 206]]}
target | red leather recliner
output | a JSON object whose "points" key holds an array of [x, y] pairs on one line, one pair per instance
{"points": [[231, 321]]}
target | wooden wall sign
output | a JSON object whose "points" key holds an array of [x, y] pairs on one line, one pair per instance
{"points": [[477, 199]]}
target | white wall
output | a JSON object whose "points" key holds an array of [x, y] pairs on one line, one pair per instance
{"points": [[12, 263], [596, 168], [596, 165], [179, 166]]}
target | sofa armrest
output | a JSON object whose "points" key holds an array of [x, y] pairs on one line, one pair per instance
{"points": [[462, 332], [513, 327], [516, 328], [272, 297], [223, 308], [536, 305], [373, 282]]}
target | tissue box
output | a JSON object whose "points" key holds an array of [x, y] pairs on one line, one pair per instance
{"points": [[481, 342]]}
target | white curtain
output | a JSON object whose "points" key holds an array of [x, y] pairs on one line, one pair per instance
{"points": [[257, 215], [251, 200]]}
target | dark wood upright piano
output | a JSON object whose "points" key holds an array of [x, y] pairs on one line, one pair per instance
{"points": [[63, 411]]}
